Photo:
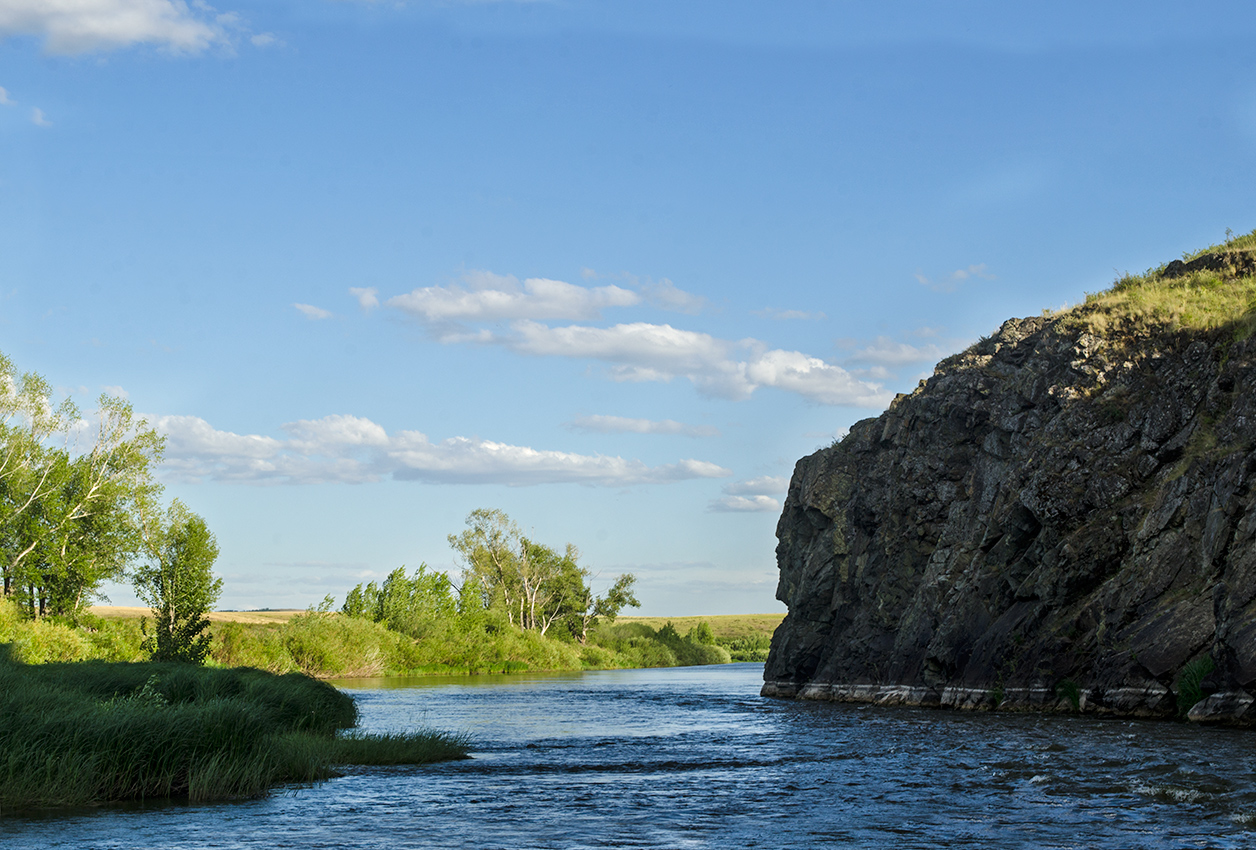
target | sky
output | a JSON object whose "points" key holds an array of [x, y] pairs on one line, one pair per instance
{"points": [[611, 266]]}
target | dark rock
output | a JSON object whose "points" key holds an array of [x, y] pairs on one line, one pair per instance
{"points": [[1058, 519], [1231, 707]]}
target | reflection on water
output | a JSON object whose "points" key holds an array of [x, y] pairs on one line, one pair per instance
{"points": [[694, 757]]}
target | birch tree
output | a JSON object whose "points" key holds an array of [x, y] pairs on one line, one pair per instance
{"points": [[68, 504], [178, 584]]}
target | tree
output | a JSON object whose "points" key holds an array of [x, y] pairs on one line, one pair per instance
{"points": [[68, 514], [532, 583], [605, 607], [413, 605], [178, 584]]}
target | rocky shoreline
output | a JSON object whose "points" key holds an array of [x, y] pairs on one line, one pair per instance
{"points": [[1154, 700]]}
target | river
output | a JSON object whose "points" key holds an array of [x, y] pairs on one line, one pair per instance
{"points": [[695, 758]]}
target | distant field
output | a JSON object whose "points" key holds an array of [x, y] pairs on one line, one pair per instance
{"points": [[121, 612], [726, 626]]}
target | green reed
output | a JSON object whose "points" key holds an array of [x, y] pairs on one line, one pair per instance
{"points": [[82, 733]]}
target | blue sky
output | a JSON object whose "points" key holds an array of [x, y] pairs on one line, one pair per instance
{"points": [[612, 267]]}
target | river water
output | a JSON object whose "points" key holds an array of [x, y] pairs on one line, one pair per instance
{"points": [[694, 758]]}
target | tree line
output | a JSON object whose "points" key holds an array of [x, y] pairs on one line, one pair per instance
{"points": [[506, 574], [80, 505]]}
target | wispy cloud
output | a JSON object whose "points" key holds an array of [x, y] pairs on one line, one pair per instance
{"points": [[647, 352], [885, 351], [661, 293], [951, 282], [764, 485], [486, 297], [745, 504], [634, 351], [39, 119], [368, 296], [753, 495], [312, 312], [79, 26], [668, 296], [351, 449], [5, 100], [785, 315], [624, 425]]}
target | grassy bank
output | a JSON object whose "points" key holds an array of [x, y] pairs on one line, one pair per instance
{"points": [[328, 645], [333, 646], [92, 732], [746, 637]]}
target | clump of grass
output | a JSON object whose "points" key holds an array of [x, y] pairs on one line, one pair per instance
{"points": [[81, 733], [401, 748], [1070, 691], [1190, 683]]}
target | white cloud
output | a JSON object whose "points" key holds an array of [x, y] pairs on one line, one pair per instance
{"points": [[641, 351], [955, 278], [5, 100], [368, 296], [79, 26], [812, 378], [745, 504], [351, 449], [625, 425], [39, 119], [488, 297], [667, 295], [312, 312], [636, 351], [762, 486], [884, 351], [784, 315]]}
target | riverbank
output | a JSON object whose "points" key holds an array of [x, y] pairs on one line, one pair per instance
{"points": [[95, 732], [328, 645]]}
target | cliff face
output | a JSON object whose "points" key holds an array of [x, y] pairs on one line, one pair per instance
{"points": [[1059, 518]]}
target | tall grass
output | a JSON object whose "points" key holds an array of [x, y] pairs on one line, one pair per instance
{"points": [[327, 645], [1199, 300], [78, 733]]}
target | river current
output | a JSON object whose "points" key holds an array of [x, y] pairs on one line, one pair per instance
{"points": [[695, 758]]}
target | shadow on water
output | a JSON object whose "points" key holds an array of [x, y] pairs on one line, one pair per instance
{"points": [[693, 757]]}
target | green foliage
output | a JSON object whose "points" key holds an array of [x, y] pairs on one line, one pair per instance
{"points": [[1190, 683], [417, 605], [534, 585], [326, 645], [178, 584], [1069, 690], [750, 648], [49, 640], [68, 514], [76, 734]]}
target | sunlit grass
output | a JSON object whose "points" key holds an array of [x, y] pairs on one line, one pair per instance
{"points": [[1203, 299], [83, 733]]}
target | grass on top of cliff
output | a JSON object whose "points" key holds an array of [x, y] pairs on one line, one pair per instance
{"points": [[1208, 289]]}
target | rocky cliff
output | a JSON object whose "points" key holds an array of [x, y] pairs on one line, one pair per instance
{"points": [[1062, 517]]}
